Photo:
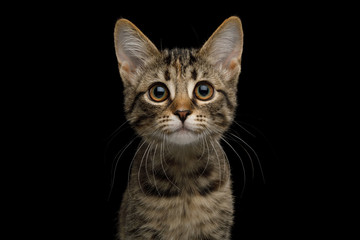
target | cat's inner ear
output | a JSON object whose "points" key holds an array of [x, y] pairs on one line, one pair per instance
{"points": [[133, 49], [225, 46]]}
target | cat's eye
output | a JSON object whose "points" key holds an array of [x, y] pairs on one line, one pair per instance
{"points": [[204, 91], [158, 92]]}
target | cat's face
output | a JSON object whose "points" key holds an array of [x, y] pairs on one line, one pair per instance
{"points": [[180, 96]]}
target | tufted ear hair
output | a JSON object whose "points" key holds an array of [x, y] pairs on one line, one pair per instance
{"points": [[133, 49], [225, 46]]}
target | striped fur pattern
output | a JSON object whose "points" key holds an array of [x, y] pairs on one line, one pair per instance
{"points": [[179, 185]]}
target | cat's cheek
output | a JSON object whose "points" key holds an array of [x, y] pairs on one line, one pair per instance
{"points": [[191, 125]]}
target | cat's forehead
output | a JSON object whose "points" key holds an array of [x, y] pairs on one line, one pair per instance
{"points": [[179, 69], [183, 57], [182, 64], [179, 64]]}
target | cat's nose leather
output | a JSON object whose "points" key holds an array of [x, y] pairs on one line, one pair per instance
{"points": [[182, 114]]}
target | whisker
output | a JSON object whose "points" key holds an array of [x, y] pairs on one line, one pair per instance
{"points": [[243, 128], [131, 163], [153, 170], [117, 159], [226, 159], [256, 156], [242, 164], [240, 141], [217, 156], [146, 161], [162, 154], [119, 154], [203, 144], [247, 153], [116, 132], [139, 171], [208, 159]]}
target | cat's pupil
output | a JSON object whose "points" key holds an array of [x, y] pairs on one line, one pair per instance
{"points": [[203, 90], [159, 92]]}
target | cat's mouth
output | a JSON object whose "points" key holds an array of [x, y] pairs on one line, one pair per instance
{"points": [[183, 129]]}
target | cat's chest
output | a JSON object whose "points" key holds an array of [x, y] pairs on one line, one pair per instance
{"points": [[187, 215]]}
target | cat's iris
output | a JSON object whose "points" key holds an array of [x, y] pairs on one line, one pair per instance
{"points": [[204, 91], [158, 92]]}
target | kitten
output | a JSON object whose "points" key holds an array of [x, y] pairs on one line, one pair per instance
{"points": [[180, 102]]}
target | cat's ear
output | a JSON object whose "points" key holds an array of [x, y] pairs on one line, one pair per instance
{"points": [[224, 47], [133, 50]]}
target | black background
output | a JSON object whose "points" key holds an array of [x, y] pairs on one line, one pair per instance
{"points": [[286, 99]]}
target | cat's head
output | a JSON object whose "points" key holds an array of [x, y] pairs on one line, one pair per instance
{"points": [[180, 95]]}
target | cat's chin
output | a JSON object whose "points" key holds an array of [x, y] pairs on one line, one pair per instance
{"points": [[183, 137]]}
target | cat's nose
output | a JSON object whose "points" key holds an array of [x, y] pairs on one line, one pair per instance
{"points": [[182, 114]]}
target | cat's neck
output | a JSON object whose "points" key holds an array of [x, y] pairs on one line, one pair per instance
{"points": [[198, 151], [185, 152], [182, 158], [187, 169]]}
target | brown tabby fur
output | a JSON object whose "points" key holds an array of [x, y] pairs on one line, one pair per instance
{"points": [[179, 186]]}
